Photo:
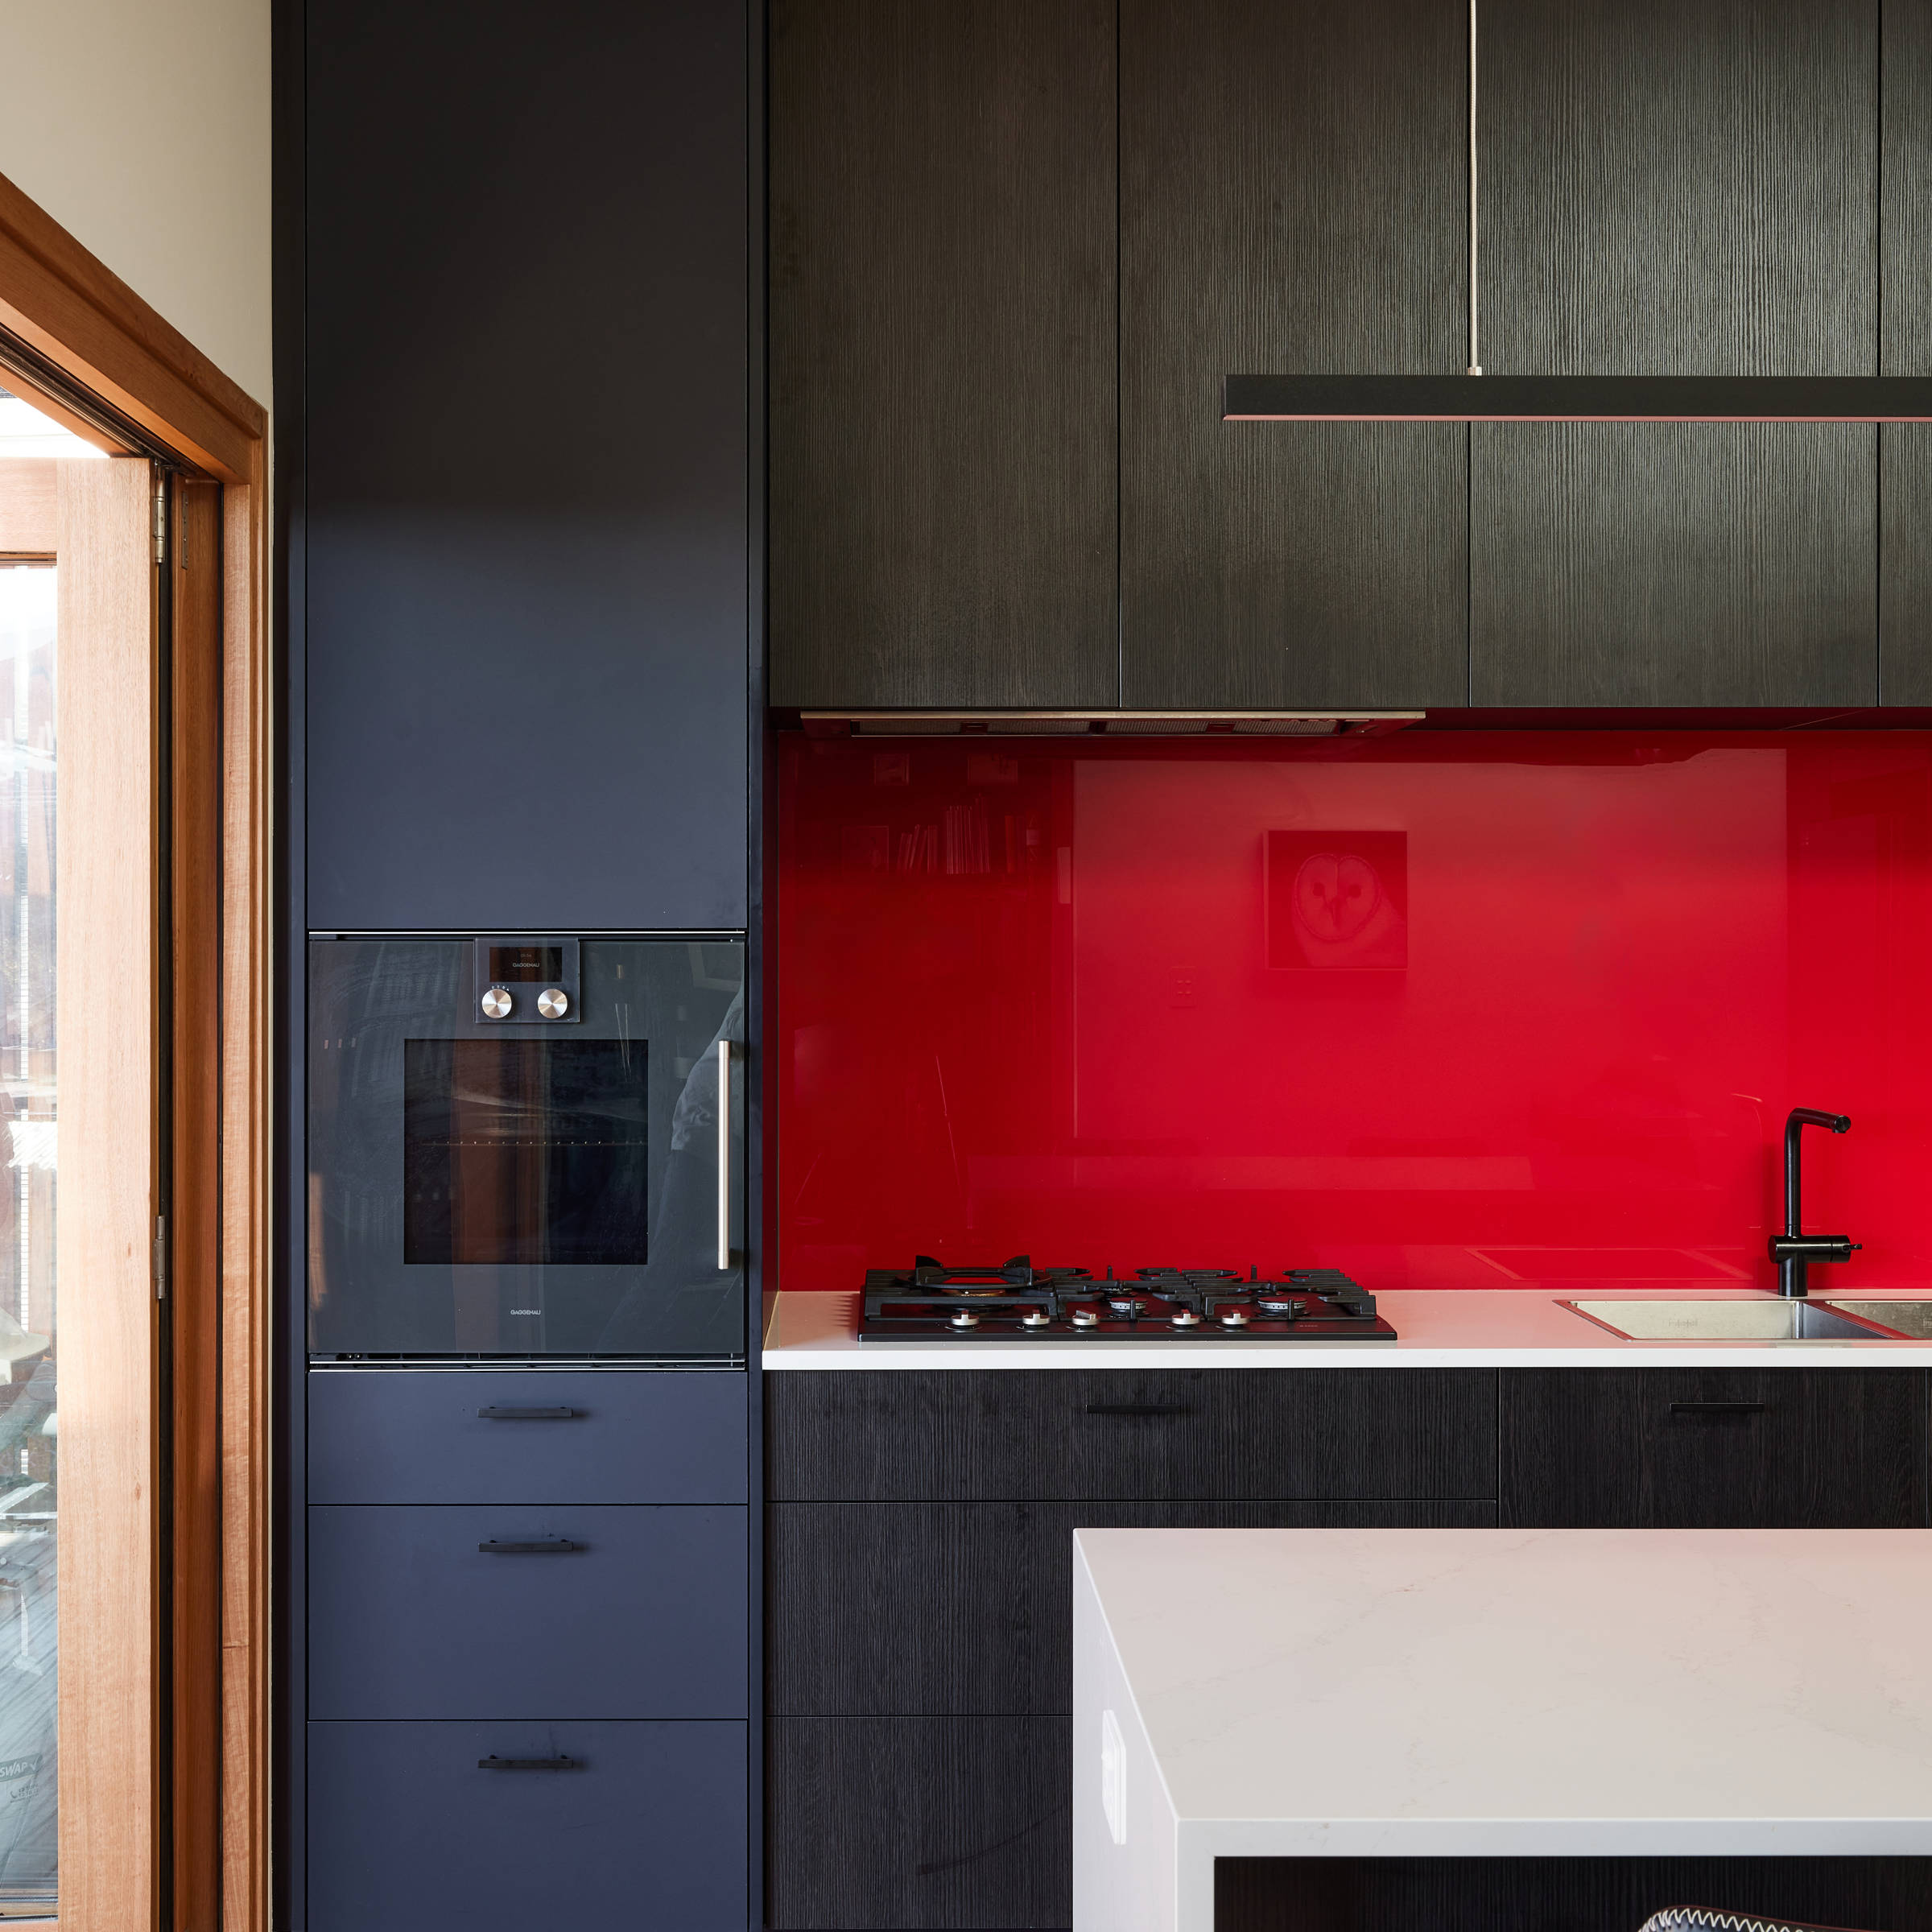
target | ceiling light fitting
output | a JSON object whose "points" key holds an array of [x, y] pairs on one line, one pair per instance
{"points": [[1475, 398]]}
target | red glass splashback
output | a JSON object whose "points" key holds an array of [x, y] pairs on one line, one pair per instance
{"points": [[1444, 1010]]}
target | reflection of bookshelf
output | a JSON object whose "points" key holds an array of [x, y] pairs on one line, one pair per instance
{"points": [[961, 844], [967, 846], [919, 849]]}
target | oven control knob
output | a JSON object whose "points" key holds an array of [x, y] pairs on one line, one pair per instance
{"points": [[496, 1004], [553, 1002]]}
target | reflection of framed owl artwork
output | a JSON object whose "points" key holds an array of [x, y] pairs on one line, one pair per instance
{"points": [[1337, 899]]}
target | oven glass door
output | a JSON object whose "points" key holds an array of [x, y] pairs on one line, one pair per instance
{"points": [[518, 1188]]}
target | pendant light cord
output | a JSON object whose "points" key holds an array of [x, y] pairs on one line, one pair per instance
{"points": [[1475, 356]]}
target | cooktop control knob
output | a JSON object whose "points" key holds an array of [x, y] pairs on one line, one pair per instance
{"points": [[497, 1003], [553, 1002]]}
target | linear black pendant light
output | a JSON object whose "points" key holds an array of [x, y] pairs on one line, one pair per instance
{"points": [[1475, 398]]}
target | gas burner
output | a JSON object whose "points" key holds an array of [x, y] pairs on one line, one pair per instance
{"points": [[1131, 1305], [1272, 1297]]}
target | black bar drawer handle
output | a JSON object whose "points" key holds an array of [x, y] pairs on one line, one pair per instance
{"points": [[1139, 1409], [525, 1415], [1719, 1408], [493, 1763], [548, 1546]]}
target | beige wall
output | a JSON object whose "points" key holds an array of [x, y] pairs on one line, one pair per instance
{"points": [[143, 127]]}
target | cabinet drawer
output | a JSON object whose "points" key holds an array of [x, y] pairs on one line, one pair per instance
{"points": [[648, 1828], [967, 1607], [491, 1435], [1695, 1448], [1225, 1434], [644, 1615], [896, 1821]]}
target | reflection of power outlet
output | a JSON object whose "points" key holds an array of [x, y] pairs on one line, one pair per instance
{"points": [[1113, 1777], [1183, 986]]}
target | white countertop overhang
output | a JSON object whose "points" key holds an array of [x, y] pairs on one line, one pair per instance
{"points": [[1324, 1693]]}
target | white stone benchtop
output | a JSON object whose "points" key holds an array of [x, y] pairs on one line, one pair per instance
{"points": [[1439, 1328], [1492, 1693]]}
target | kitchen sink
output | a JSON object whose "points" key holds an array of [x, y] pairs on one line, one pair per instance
{"points": [[1911, 1317], [1768, 1320]]}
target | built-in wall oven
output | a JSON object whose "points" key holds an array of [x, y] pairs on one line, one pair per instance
{"points": [[526, 1146]]}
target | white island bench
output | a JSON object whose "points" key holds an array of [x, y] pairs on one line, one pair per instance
{"points": [[1488, 1693]]}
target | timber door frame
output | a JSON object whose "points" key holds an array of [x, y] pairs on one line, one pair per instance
{"points": [[68, 322]]}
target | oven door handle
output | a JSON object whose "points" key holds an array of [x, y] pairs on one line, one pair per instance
{"points": [[723, 1154]]}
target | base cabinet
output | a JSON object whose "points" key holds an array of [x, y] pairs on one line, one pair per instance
{"points": [[919, 1554], [413, 1826], [899, 1822], [919, 1546], [1715, 1449]]}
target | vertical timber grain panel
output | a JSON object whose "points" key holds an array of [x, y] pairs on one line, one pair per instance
{"points": [[195, 1206], [1905, 618], [247, 908], [105, 891], [1291, 201], [1671, 190], [943, 352]]}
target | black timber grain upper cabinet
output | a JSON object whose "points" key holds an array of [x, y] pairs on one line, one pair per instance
{"points": [[942, 331], [1291, 200], [526, 525], [1904, 632], [1677, 190]]}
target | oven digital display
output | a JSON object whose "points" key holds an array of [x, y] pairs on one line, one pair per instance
{"points": [[525, 1151], [509, 965]]}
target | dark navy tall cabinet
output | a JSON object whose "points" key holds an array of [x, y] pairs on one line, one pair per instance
{"points": [[518, 281]]}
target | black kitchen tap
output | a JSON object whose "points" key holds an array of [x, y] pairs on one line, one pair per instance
{"points": [[1794, 1250]]}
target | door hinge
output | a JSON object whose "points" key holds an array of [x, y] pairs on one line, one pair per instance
{"points": [[160, 516], [160, 1258]]}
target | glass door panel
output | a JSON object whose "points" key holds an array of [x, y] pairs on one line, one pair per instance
{"points": [[29, 1474]]}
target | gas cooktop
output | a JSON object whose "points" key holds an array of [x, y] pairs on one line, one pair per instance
{"points": [[1015, 1300]]}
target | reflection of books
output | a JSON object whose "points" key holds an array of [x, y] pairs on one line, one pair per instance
{"points": [[919, 849], [967, 848]]}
